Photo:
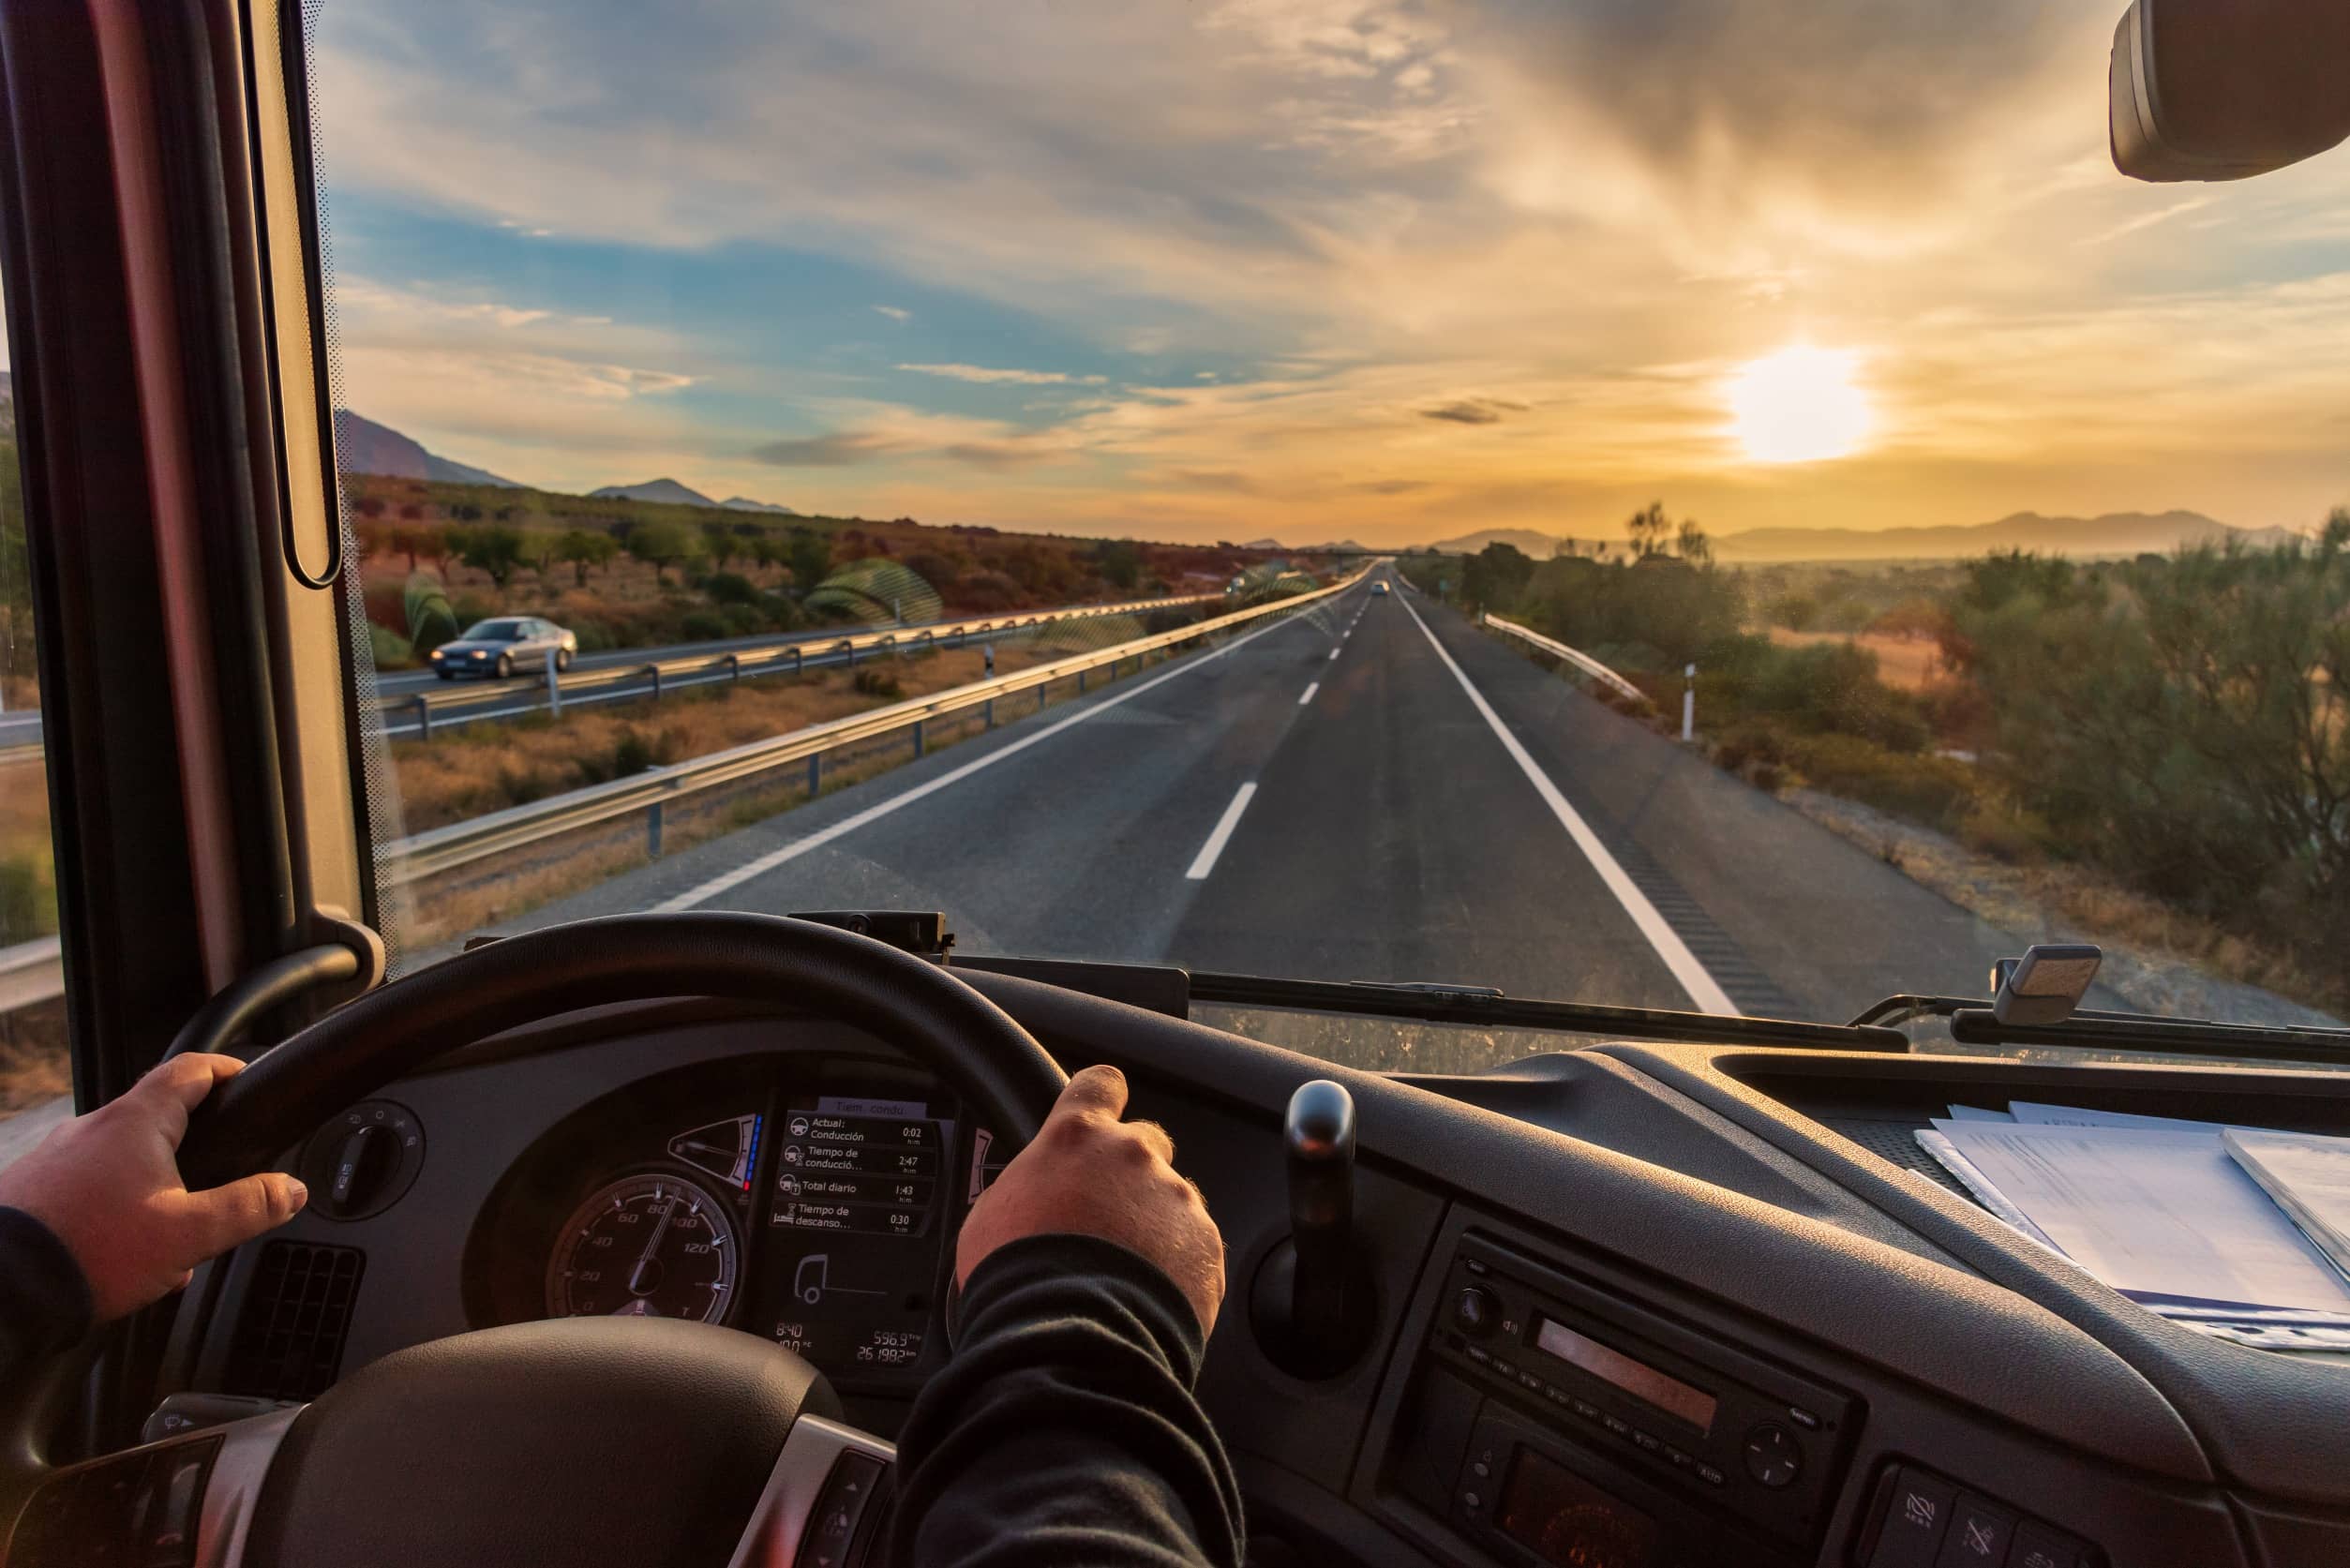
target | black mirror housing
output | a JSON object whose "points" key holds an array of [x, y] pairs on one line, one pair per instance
{"points": [[2227, 89]]}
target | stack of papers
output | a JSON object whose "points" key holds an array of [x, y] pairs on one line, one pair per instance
{"points": [[2172, 1213], [2308, 1176]]}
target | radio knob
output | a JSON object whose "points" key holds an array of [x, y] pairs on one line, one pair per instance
{"points": [[1476, 1310], [1773, 1456]]}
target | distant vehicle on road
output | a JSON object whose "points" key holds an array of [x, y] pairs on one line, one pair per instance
{"points": [[1379, 588], [501, 647]]}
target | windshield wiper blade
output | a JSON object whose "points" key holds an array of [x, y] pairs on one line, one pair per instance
{"points": [[1437, 1002], [1972, 1023]]}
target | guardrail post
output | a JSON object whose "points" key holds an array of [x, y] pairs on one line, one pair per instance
{"points": [[733, 667], [850, 643], [554, 686], [917, 739], [1081, 683], [653, 831], [424, 717], [987, 710], [799, 659], [654, 670], [1040, 697], [816, 775]]}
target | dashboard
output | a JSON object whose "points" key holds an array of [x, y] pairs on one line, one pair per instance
{"points": [[809, 1199], [1636, 1307]]}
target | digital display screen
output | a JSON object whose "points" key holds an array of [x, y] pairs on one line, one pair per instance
{"points": [[1563, 1518], [859, 1185], [1612, 1366]]}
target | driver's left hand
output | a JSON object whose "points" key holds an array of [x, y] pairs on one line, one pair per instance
{"points": [[109, 1186]]}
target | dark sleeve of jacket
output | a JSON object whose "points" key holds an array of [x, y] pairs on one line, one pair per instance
{"points": [[44, 1298], [1064, 1431]]}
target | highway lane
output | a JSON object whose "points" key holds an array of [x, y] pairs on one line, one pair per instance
{"points": [[1390, 834]]}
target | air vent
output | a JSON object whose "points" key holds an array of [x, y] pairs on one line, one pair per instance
{"points": [[289, 1340]]}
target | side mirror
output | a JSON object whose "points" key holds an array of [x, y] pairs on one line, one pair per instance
{"points": [[2227, 89]]}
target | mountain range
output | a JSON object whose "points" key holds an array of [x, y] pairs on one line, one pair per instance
{"points": [[2113, 533], [363, 446]]}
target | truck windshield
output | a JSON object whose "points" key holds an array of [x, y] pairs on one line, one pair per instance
{"points": [[1661, 507]]}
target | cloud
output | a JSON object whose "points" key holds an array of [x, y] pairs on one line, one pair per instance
{"points": [[985, 376], [835, 449], [1473, 410], [996, 457], [2145, 220], [895, 313]]}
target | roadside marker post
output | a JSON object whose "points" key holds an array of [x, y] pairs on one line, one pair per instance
{"points": [[554, 687], [1689, 702]]}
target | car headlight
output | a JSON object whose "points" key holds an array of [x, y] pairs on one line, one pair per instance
{"points": [[478, 654]]}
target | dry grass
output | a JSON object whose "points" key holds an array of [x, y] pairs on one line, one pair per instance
{"points": [[1909, 663], [34, 1064], [483, 768]]}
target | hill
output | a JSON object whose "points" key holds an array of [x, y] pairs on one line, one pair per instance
{"points": [[667, 491], [363, 446], [2114, 533], [744, 504], [1542, 547]]}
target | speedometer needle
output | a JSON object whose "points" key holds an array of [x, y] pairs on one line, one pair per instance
{"points": [[640, 1279]]}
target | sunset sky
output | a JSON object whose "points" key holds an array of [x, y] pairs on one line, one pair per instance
{"points": [[1200, 268]]}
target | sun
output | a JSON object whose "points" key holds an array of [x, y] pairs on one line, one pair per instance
{"points": [[1799, 405]]}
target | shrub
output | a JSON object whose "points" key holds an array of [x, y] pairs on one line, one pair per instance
{"points": [[742, 621], [702, 626], [876, 680], [392, 650], [731, 588], [28, 902]]}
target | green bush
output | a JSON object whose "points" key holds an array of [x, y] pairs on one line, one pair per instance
{"points": [[731, 588], [702, 626], [28, 899], [2184, 721], [392, 650], [742, 621]]}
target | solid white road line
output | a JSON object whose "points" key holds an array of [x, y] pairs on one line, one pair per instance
{"points": [[1204, 861], [693, 896], [1311, 687], [1703, 990]]}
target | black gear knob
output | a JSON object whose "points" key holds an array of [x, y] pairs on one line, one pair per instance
{"points": [[1312, 1300]]}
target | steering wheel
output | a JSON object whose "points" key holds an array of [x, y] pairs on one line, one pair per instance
{"points": [[576, 1441]]}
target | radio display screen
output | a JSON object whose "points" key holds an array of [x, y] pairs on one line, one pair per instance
{"points": [[1638, 1379], [1565, 1519]]}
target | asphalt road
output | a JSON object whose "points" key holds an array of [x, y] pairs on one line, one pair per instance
{"points": [[1370, 790]]}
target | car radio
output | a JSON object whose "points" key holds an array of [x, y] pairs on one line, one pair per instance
{"points": [[1590, 1373]]}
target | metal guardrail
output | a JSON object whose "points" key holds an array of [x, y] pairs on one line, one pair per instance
{"points": [[783, 653], [1583, 662], [32, 971], [459, 844]]}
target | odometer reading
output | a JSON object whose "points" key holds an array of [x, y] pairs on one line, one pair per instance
{"points": [[648, 1247]]}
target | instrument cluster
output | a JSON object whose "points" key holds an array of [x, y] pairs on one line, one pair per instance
{"points": [[809, 1200]]}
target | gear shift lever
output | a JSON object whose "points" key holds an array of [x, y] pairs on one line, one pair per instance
{"points": [[1311, 1300]]}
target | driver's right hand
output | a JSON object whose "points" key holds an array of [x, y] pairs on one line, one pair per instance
{"points": [[1090, 1173]]}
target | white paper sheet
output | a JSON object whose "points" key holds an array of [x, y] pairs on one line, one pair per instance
{"points": [[1976, 1114], [2160, 1212], [2073, 1116]]}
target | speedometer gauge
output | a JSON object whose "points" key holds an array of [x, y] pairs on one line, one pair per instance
{"points": [[648, 1247]]}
